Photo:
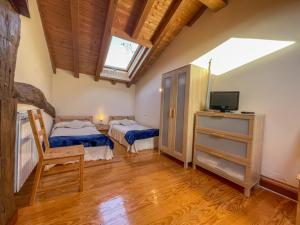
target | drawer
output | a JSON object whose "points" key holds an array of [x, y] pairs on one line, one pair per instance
{"points": [[221, 166], [231, 125], [224, 145]]}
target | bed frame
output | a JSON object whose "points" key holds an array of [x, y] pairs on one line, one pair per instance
{"points": [[70, 118], [120, 118]]}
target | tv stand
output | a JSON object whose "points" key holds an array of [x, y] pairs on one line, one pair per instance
{"points": [[225, 111], [229, 145]]}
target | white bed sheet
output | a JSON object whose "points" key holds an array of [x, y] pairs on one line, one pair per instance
{"points": [[139, 145], [62, 131]]}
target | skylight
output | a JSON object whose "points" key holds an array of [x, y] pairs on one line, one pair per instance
{"points": [[120, 54], [236, 52]]}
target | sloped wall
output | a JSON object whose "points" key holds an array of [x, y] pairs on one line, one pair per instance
{"points": [[269, 86]]}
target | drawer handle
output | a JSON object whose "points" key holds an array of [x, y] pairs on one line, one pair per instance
{"points": [[172, 113]]}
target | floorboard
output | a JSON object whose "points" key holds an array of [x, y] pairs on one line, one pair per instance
{"points": [[148, 188]]}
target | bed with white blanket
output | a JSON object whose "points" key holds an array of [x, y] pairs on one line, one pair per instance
{"points": [[135, 137], [80, 130]]}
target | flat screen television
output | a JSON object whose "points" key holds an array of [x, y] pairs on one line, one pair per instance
{"points": [[225, 101]]}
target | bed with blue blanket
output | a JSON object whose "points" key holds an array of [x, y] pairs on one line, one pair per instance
{"points": [[81, 132], [135, 137]]}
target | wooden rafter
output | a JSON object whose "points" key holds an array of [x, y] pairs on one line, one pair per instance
{"points": [[124, 35], [214, 5], [148, 4], [197, 16], [152, 24], [51, 52], [162, 36], [74, 19], [162, 28], [159, 34], [106, 37]]}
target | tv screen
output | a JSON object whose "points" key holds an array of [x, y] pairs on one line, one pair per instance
{"points": [[224, 100]]}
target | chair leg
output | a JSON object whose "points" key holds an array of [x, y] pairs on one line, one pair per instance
{"points": [[81, 166], [36, 182]]}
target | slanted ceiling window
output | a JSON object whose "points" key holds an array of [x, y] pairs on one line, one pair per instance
{"points": [[236, 52], [121, 53]]}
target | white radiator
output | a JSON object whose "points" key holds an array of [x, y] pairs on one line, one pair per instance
{"points": [[26, 155]]}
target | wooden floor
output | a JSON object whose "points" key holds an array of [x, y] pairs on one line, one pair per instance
{"points": [[148, 188]]}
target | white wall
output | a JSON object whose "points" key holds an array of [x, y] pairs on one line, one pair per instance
{"points": [[84, 96], [269, 86], [33, 61]]}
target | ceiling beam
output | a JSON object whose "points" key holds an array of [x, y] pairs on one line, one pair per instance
{"points": [[74, 20], [124, 35], [214, 5], [148, 4], [114, 80], [106, 37], [164, 26], [197, 15], [51, 52], [166, 21]]}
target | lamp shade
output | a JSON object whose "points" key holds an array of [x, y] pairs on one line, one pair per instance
{"points": [[100, 117]]}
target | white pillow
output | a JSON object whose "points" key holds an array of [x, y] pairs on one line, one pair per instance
{"points": [[60, 125], [127, 122], [132, 122], [87, 124], [75, 124], [114, 122]]}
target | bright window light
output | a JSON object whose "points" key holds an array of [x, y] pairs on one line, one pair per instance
{"points": [[236, 52], [120, 53]]}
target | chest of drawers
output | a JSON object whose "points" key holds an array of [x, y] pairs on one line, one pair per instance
{"points": [[230, 146]]}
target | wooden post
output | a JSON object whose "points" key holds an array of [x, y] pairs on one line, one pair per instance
{"points": [[9, 43]]}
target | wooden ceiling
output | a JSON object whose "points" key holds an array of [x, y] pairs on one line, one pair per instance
{"points": [[78, 32]]}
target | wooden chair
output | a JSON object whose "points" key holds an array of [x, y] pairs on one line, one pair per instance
{"points": [[51, 155]]}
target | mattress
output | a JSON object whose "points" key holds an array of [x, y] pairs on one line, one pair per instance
{"points": [[91, 153], [118, 132]]}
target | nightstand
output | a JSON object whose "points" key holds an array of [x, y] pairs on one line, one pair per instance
{"points": [[103, 128]]}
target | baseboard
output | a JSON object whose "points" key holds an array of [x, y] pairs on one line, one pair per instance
{"points": [[279, 187], [13, 219]]}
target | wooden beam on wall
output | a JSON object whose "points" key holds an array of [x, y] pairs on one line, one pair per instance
{"points": [[214, 5], [21, 6], [106, 37], [74, 4], [51, 52], [148, 4], [30, 95], [10, 25]]}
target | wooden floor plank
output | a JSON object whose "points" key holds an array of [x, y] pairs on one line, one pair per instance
{"points": [[148, 188]]}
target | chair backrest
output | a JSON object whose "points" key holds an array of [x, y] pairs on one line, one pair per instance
{"points": [[39, 132]]}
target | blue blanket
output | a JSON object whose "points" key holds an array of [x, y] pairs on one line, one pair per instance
{"points": [[133, 135], [87, 141]]}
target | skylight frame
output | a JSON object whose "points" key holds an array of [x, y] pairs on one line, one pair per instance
{"points": [[137, 50]]}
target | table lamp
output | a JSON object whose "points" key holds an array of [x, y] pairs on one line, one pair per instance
{"points": [[99, 118]]}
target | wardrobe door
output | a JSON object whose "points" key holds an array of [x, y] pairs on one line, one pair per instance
{"points": [[180, 112], [167, 113]]}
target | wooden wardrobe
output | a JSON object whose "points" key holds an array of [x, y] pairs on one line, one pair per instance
{"points": [[183, 94]]}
